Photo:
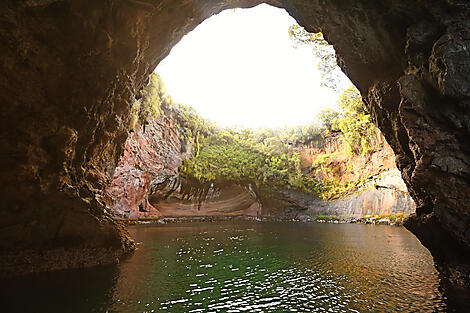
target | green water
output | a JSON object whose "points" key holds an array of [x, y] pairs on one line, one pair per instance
{"points": [[249, 267]]}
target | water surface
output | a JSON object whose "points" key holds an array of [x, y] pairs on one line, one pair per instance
{"points": [[249, 267]]}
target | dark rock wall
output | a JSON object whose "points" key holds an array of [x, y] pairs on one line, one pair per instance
{"points": [[65, 104], [70, 70]]}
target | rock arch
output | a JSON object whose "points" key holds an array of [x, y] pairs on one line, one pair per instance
{"points": [[70, 71]]}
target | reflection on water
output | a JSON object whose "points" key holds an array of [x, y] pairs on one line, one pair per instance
{"points": [[249, 267]]}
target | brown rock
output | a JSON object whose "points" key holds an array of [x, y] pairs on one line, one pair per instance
{"points": [[151, 157]]}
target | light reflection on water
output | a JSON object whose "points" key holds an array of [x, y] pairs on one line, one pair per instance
{"points": [[252, 267], [279, 267]]}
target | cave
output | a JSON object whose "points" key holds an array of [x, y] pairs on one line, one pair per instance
{"points": [[70, 71]]}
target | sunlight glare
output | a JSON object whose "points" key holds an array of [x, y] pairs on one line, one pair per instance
{"points": [[239, 68]]}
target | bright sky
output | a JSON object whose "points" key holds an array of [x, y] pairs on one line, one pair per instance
{"points": [[239, 68]]}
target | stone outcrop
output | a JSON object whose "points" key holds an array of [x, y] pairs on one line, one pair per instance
{"points": [[328, 158], [176, 200], [380, 188], [384, 194], [70, 71], [151, 157]]}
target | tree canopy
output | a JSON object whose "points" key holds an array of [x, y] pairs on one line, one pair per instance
{"points": [[263, 158], [331, 73], [353, 121]]}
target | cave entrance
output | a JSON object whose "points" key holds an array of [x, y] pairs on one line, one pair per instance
{"points": [[237, 71], [278, 103]]}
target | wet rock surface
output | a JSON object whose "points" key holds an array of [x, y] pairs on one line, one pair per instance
{"points": [[70, 71]]}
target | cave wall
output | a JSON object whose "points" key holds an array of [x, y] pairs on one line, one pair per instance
{"points": [[70, 71]]}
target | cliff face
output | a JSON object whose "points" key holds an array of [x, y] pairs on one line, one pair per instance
{"points": [[146, 182], [383, 195], [151, 157], [328, 158], [377, 186], [70, 71], [175, 199]]}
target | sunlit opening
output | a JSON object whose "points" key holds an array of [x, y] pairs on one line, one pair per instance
{"points": [[241, 68]]}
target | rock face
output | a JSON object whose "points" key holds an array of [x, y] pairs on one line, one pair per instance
{"points": [[146, 182], [151, 157], [327, 158], [222, 200], [381, 189], [384, 194], [70, 71]]}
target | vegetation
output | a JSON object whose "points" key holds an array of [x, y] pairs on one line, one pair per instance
{"points": [[260, 159], [353, 122], [148, 107], [263, 158], [327, 218], [331, 73]]}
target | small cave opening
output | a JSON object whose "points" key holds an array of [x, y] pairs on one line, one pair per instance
{"points": [[143, 207]]}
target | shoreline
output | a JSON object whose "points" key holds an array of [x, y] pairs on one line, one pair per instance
{"points": [[306, 219]]}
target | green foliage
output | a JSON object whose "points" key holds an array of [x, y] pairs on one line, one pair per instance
{"points": [[327, 218], [328, 119], [323, 158], [262, 158], [332, 189], [355, 123], [153, 97], [192, 122], [331, 73], [353, 120], [248, 157], [155, 101]]}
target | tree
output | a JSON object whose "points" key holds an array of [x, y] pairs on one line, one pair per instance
{"points": [[328, 118], [331, 73], [355, 122]]}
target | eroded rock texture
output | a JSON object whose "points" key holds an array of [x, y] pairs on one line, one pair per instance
{"points": [[381, 189], [151, 158], [328, 158], [178, 199], [382, 195], [70, 71]]}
